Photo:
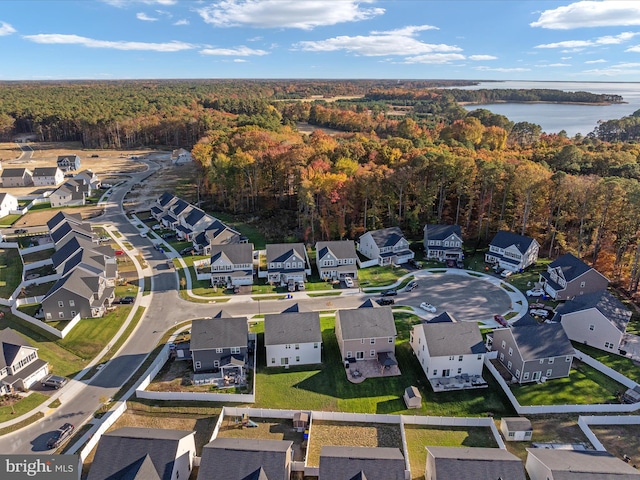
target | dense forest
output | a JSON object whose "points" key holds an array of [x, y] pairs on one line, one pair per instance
{"points": [[404, 154]]}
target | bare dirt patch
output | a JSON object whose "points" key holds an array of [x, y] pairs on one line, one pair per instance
{"points": [[351, 435], [41, 217], [620, 440]]}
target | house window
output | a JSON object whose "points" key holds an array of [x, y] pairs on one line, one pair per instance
{"points": [[517, 373], [235, 349], [418, 339], [362, 340], [297, 346], [60, 303], [297, 358], [373, 341], [502, 357], [549, 372], [216, 363], [315, 345], [431, 242], [287, 347], [479, 356], [73, 313], [541, 361], [72, 303], [273, 360], [48, 315], [511, 434], [551, 360], [510, 351], [198, 365], [435, 372], [451, 358], [567, 358], [459, 371], [504, 344], [525, 376], [219, 350], [60, 314], [372, 353], [390, 340], [592, 327], [582, 284], [509, 365], [359, 355], [608, 345], [460, 358], [349, 355]]}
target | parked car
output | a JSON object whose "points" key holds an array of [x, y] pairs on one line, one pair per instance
{"points": [[127, 300], [143, 234], [410, 286], [385, 301], [157, 226], [168, 235], [95, 155], [389, 293], [428, 307], [501, 320], [506, 273], [20, 231], [539, 312], [300, 286], [60, 435], [535, 292], [414, 263], [187, 251], [348, 281], [54, 381]]}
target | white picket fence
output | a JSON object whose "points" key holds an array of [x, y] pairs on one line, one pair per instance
{"points": [[92, 437], [609, 372]]}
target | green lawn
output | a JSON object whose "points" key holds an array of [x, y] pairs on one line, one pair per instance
{"points": [[37, 256], [419, 436], [248, 230], [584, 386], [325, 387], [10, 271], [9, 220], [22, 406], [622, 365], [378, 276]]}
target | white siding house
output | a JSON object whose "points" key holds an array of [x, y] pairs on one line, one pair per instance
{"points": [[512, 251], [293, 338], [8, 204], [388, 246]]}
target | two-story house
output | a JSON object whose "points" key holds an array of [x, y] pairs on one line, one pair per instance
{"points": [[511, 251], [162, 205], [194, 222], [443, 243], [569, 277], [47, 176], [16, 177], [8, 204], [68, 163], [534, 352], [287, 263], [80, 252], [447, 349], [20, 366], [559, 464], [598, 319], [368, 463], [446, 463], [90, 178], [216, 233], [292, 338], [336, 260], [366, 332], [70, 193], [388, 246], [217, 343], [232, 264]]}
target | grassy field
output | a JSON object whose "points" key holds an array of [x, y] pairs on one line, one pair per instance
{"points": [[22, 406], [10, 271], [584, 386], [622, 365], [9, 220], [420, 436], [378, 276]]}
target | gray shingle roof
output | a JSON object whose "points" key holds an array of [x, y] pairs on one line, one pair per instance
{"points": [[504, 239], [166, 198], [288, 328], [452, 338], [346, 463], [61, 217], [455, 463], [13, 172], [219, 333], [121, 449], [236, 253], [577, 465], [11, 343], [279, 252], [366, 323], [45, 171], [605, 302], [540, 341], [440, 232], [571, 267], [387, 237], [194, 216], [339, 249], [238, 458], [517, 424]]}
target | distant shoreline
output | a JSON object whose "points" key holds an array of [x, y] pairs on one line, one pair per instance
{"points": [[595, 104]]}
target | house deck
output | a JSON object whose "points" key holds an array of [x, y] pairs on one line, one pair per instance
{"points": [[359, 371], [459, 382]]}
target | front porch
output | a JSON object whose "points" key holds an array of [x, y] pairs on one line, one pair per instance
{"points": [[459, 382]]}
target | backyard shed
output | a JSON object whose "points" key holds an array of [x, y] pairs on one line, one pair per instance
{"points": [[301, 421], [412, 397], [516, 429]]}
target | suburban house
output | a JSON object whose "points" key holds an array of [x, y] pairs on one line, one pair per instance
{"points": [[370, 463], [78, 251], [511, 251], [196, 220], [20, 366], [89, 178], [162, 205], [47, 176], [569, 277], [62, 217], [292, 338], [533, 352], [218, 343], [80, 292], [243, 458], [16, 177], [68, 163], [599, 320], [70, 193], [449, 463], [443, 243], [232, 264], [216, 233], [180, 208], [516, 429], [366, 333], [388, 246], [449, 349], [336, 260], [144, 453], [68, 230], [551, 464], [8, 204], [287, 263]]}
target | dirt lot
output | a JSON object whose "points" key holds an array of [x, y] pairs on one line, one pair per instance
{"points": [[267, 429], [620, 440], [352, 435]]}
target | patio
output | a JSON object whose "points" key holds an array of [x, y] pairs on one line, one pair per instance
{"points": [[459, 382], [359, 371], [225, 378]]}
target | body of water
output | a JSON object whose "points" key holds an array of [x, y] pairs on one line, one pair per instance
{"points": [[572, 119]]}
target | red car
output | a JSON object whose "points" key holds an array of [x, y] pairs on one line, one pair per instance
{"points": [[500, 319], [119, 252]]}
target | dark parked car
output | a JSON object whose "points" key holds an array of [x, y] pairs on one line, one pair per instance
{"points": [[60, 435], [168, 235], [414, 263], [389, 293], [411, 285], [19, 231], [127, 300], [187, 251], [385, 301]]}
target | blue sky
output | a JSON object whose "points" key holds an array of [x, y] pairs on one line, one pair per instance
{"points": [[422, 39]]}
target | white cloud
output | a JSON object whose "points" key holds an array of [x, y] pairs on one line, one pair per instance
{"points": [[557, 65], [305, 15], [408, 31], [394, 42], [240, 51], [62, 39], [565, 58], [145, 18], [600, 60], [612, 13], [182, 21], [606, 40], [635, 49], [480, 58], [239, 60], [501, 69], [6, 29], [435, 58], [254, 39]]}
